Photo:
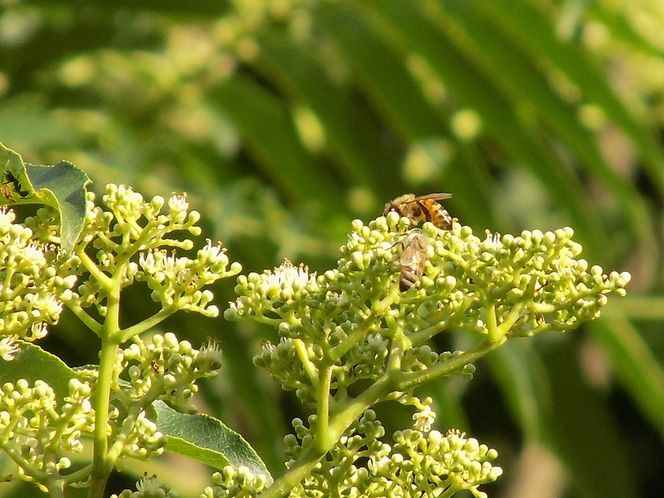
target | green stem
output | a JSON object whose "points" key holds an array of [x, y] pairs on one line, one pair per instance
{"points": [[102, 395], [378, 309], [410, 380], [449, 492], [121, 436], [147, 324], [98, 275], [28, 468], [309, 367], [353, 338], [491, 323], [422, 336], [85, 317], [79, 475], [302, 468], [338, 424], [323, 409], [511, 319], [56, 488]]}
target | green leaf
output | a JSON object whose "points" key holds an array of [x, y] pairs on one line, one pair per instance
{"points": [[634, 364], [382, 72], [522, 378], [33, 363], [15, 184], [62, 187], [584, 433], [622, 28], [207, 440], [521, 75]]}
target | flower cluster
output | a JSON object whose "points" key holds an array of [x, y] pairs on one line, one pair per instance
{"points": [[127, 239], [161, 367], [124, 240], [165, 368], [135, 434], [179, 281], [234, 482], [36, 429], [148, 487], [356, 318], [418, 463], [31, 290], [274, 295]]}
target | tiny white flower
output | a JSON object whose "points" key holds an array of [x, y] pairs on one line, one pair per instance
{"points": [[8, 348], [288, 275], [146, 261], [148, 486], [424, 419], [178, 205], [38, 331], [34, 254], [213, 253]]}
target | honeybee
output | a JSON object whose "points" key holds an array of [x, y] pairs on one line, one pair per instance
{"points": [[412, 260], [422, 208]]}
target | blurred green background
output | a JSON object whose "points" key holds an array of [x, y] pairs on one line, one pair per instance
{"points": [[286, 119]]}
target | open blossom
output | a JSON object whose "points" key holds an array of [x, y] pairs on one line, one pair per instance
{"points": [[178, 205], [178, 202], [289, 275], [8, 348]]}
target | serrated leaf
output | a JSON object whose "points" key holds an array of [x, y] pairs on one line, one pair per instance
{"points": [[62, 187], [33, 363], [15, 184], [207, 439]]}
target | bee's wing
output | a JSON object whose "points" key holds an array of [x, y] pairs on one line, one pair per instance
{"points": [[439, 196], [409, 257]]}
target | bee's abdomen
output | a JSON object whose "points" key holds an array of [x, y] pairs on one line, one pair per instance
{"points": [[407, 279]]}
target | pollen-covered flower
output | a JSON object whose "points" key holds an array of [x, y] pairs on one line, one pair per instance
{"points": [[424, 419]]}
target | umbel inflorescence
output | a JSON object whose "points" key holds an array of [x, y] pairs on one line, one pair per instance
{"points": [[351, 337], [353, 316]]}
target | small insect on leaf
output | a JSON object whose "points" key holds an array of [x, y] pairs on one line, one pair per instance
{"points": [[10, 186]]}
